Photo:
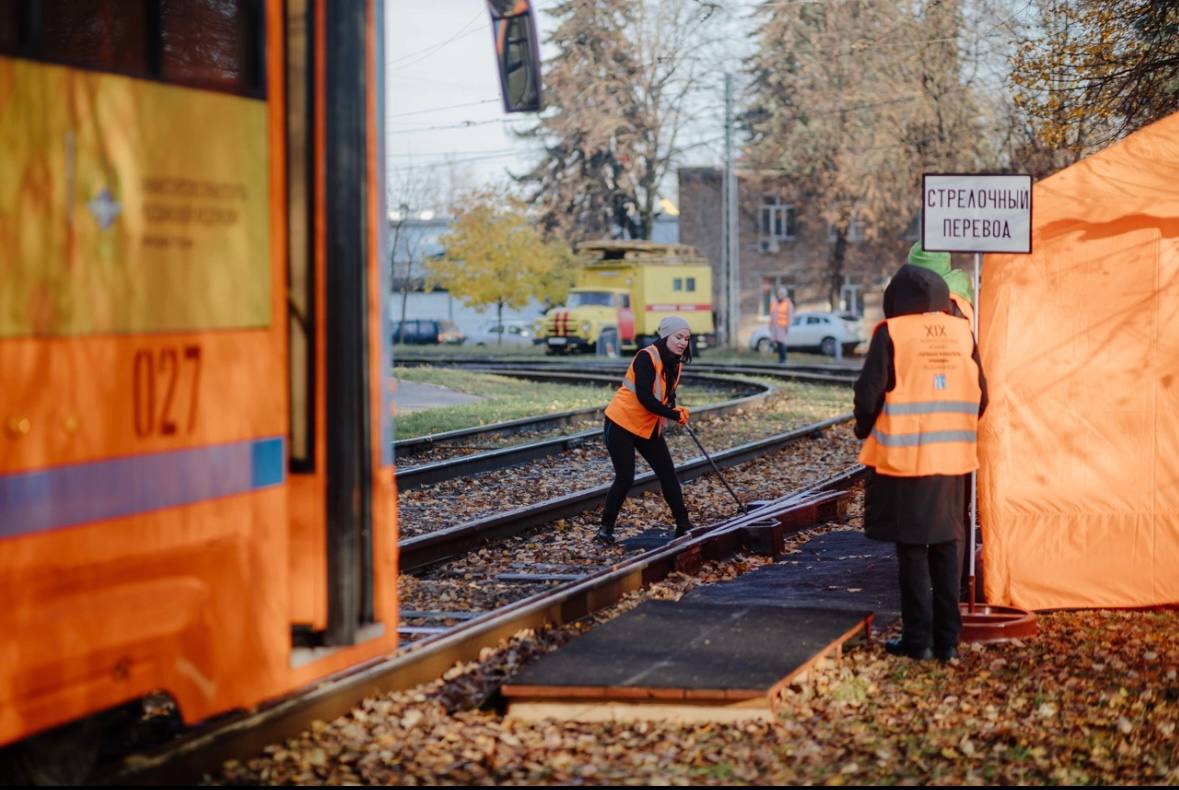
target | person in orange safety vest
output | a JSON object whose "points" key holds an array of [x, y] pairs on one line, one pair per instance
{"points": [[917, 403], [781, 313], [635, 420]]}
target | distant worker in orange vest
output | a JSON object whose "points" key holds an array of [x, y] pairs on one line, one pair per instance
{"points": [[635, 420], [781, 312], [917, 404]]}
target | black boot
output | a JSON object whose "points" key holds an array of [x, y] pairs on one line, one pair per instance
{"points": [[682, 527], [605, 534]]}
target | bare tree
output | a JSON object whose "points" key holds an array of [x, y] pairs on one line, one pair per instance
{"points": [[825, 111], [1091, 71], [617, 94], [853, 100]]}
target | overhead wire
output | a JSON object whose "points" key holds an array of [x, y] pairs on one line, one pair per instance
{"points": [[424, 52]]}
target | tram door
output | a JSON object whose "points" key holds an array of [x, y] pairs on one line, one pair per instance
{"points": [[343, 535], [343, 513]]}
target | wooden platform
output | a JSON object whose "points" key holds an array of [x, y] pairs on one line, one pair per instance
{"points": [[682, 661]]}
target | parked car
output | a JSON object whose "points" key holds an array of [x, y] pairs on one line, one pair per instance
{"points": [[426, 331], [816, 332], [512, 332]]}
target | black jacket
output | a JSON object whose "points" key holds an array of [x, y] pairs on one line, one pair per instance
{"points": [[908, 509]]}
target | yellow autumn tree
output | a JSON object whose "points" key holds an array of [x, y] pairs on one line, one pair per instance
{"points": [[494, 255]]}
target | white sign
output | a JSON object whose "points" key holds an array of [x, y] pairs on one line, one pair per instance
{"points": [[963, 212]]}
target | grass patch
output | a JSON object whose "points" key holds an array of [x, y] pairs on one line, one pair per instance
{"points": [[506, 398]]}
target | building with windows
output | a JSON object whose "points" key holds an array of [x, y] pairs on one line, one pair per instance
{"points": [[783, 242]]}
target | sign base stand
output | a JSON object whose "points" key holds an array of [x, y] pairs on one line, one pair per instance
{"points": [[985, 623]]}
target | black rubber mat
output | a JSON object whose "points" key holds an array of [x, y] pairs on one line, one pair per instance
{"points": [[648, 539], [682, 645], [839, 570]]}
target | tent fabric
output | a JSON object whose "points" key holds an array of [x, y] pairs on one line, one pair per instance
{"points": [[1079, 477]]}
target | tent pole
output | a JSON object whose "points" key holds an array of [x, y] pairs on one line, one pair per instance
{"points": [[974, 475]]}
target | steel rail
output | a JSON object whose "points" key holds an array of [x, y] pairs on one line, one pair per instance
{"points": [[611, 363], [423, 550], [544, 421], [409, 478], [820, 374], [188, 759]]}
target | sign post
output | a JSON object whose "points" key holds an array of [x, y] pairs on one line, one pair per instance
{"points": [[977, 213]]}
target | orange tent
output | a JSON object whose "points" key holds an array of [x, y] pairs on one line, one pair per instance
{"points": [[1079, 484]]}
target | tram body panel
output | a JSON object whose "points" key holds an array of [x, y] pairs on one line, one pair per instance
{"points": [[169, 507], [188, 599], [144, 535]]}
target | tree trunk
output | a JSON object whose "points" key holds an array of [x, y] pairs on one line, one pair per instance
{"points": [[838, 254], [499, 319], [404, 302]]}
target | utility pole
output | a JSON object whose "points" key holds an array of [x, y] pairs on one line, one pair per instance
{"points": [[731, 257]]}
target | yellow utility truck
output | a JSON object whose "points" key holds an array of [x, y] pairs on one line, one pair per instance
{"points": [[621, 292]]}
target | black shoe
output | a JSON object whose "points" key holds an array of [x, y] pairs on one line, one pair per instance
{"points": [[897, 647], [605, 536], [944, 654], [682, 529]]}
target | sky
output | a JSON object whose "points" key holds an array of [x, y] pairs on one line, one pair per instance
{"points": [[444, 115], [443, 112]]}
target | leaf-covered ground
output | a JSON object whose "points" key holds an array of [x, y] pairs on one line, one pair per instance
{"points": [[1093, 699]]}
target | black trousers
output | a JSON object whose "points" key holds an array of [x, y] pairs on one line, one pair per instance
{"points": [[622, 445], [781, 351], [929, 576]]}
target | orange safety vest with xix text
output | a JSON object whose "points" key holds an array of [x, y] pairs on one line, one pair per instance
{"points": [[626, 410], [929, 423]]}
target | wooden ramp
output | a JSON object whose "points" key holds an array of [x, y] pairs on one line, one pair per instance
{"points": [[682, 661]]}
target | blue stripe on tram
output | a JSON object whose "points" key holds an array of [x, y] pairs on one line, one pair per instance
{"points": [[69, 495]]}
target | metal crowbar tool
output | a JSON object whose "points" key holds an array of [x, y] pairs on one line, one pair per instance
{"points": [[715, 468]]}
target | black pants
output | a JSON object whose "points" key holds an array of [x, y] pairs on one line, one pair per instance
{"points": [[929, 576], [781, 352], [622, 445]]}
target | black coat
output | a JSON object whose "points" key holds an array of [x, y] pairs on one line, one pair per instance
{"points": [[928, 509]]}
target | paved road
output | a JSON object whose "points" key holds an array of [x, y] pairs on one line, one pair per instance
{"points": [[412, 396]]}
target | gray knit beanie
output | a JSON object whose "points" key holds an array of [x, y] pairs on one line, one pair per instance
{"points": [[670, 325]]}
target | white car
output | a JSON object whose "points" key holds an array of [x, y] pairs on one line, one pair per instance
{"points": [[820, 332], [512, 332]]}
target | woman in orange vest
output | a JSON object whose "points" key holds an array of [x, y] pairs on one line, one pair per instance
{"points": [[634, 421], [917, 404], [781, 312]]}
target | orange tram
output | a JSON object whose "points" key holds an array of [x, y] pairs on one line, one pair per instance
{"points": [[196, 474]]}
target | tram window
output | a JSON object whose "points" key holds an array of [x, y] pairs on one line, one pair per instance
{"points": [[95, 34], [211, 42], [12, 26]]}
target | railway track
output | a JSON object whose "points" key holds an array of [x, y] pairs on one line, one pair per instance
{"points": [[762, 530], [544, 588], [423, 550], [414, 476], [410, 447]]}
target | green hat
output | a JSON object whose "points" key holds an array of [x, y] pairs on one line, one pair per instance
{"points": [[959, 283], [937, 262]]}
